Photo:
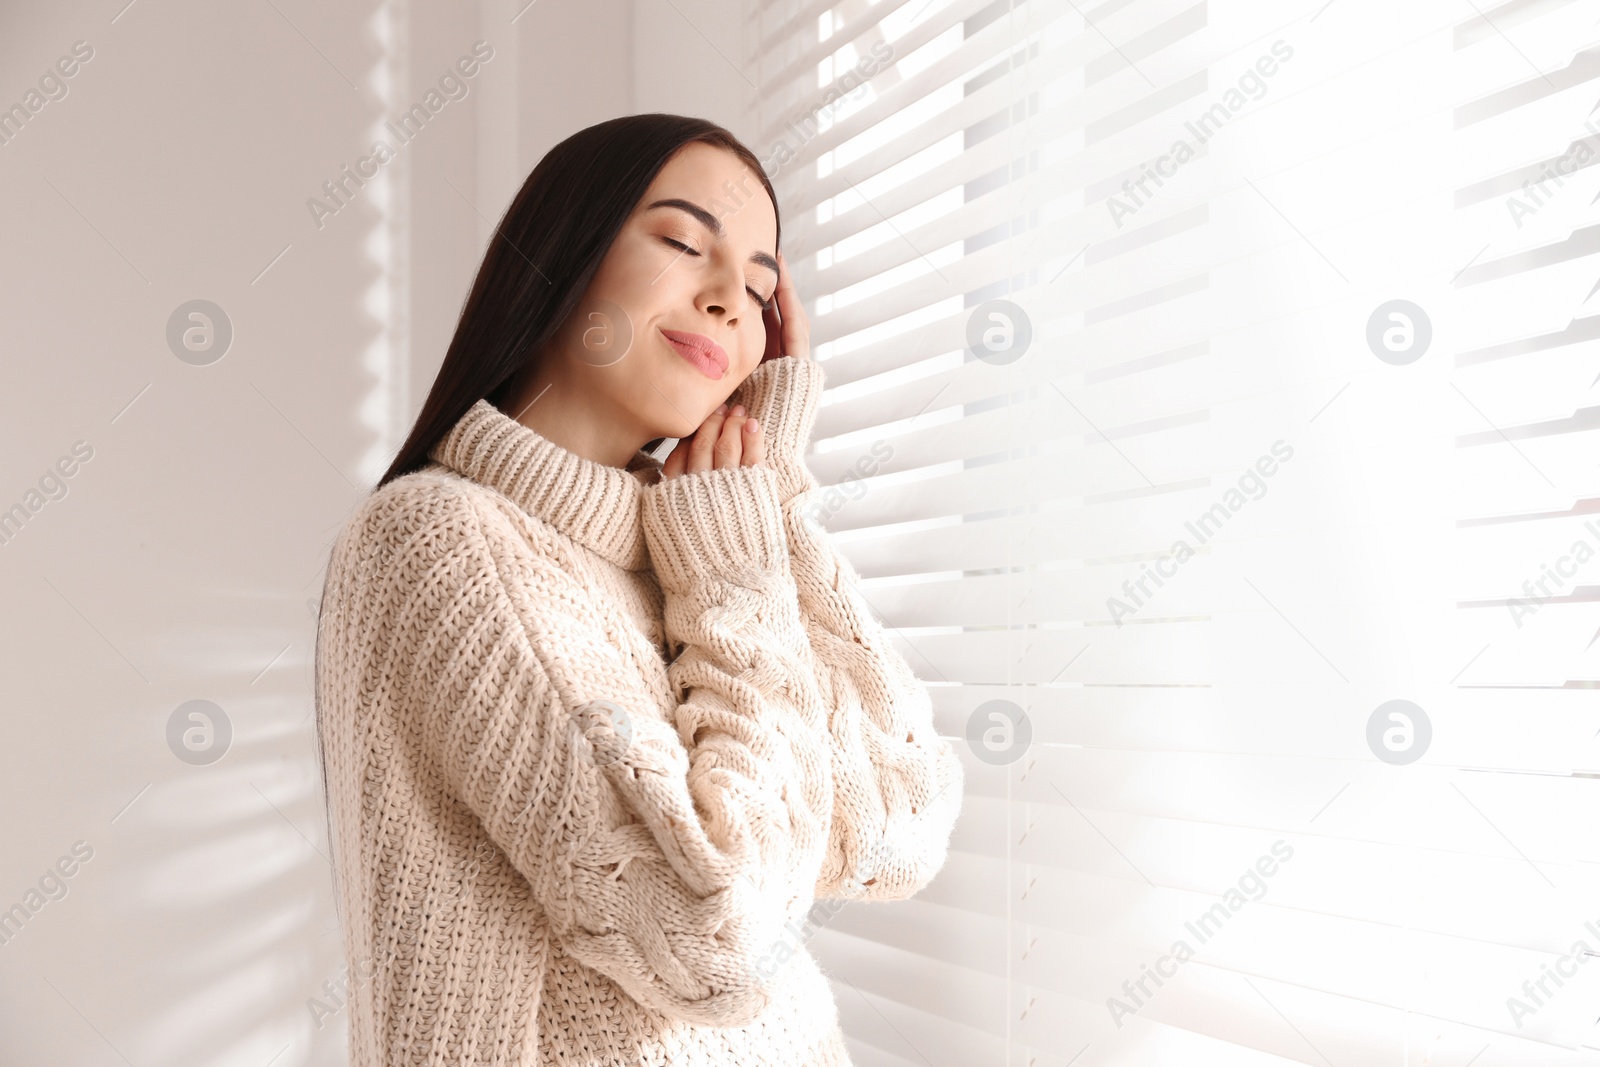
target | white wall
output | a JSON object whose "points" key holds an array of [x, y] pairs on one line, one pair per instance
{"points": [[689, 59], [183, 561]]}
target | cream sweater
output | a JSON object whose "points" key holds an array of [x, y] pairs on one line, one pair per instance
{"points": [[595, 743]]}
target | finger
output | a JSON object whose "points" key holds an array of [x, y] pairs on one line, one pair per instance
{"points": [[796, 327], [705, 439], [675, 460], [755, 443], [729, 449]]}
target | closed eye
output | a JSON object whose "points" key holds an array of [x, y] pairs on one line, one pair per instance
{"points": [[763, 302]]}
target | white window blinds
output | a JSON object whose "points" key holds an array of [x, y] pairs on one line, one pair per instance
{"points": [[1213, 385]]}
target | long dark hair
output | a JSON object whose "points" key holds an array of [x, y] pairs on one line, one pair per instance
{"points": [[539, 263], [544, 254]]}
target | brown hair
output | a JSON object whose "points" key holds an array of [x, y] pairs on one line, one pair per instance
{"points": [[543, 256]]}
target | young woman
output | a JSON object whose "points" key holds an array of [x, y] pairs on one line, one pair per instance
{"points": [[600, 733]]}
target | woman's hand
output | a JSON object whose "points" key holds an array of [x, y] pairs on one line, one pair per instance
{"points": [[788, 331], [731, 438], [725, 439]]}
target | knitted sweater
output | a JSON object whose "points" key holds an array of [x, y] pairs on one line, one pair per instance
{"points": [[596, 741]]}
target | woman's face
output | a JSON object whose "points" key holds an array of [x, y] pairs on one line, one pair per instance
{"points": [[671, 323]]}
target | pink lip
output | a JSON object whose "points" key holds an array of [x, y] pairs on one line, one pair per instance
{"points": [[699, 350]]}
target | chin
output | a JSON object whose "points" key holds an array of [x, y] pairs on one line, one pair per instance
{"points": [[682, 416], [684, 395]]}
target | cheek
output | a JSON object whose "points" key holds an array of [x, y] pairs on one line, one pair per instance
{"points": [[635, 275], [752, 345]]}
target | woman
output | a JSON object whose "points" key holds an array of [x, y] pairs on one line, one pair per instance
{"points": [[599, 730]]}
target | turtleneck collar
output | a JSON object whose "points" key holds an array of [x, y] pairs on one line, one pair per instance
{"points": [[593, 503]]}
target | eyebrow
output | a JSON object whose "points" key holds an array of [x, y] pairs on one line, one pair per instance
{"points": [[714, 224]]}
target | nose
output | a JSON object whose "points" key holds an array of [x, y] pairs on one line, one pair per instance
{"points": [[722, 293]]}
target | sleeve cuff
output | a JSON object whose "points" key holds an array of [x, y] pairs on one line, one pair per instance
{"points": [[722, 523], [784, 394]]}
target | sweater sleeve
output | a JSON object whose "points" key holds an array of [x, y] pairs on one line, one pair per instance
{"points": [[670, 846], [897, 784]]}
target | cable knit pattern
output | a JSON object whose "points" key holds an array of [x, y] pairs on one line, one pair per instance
{"points": [[595, 743], [897, 784]]}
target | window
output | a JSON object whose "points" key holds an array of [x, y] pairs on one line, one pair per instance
{"points": [[1212, 408]]}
